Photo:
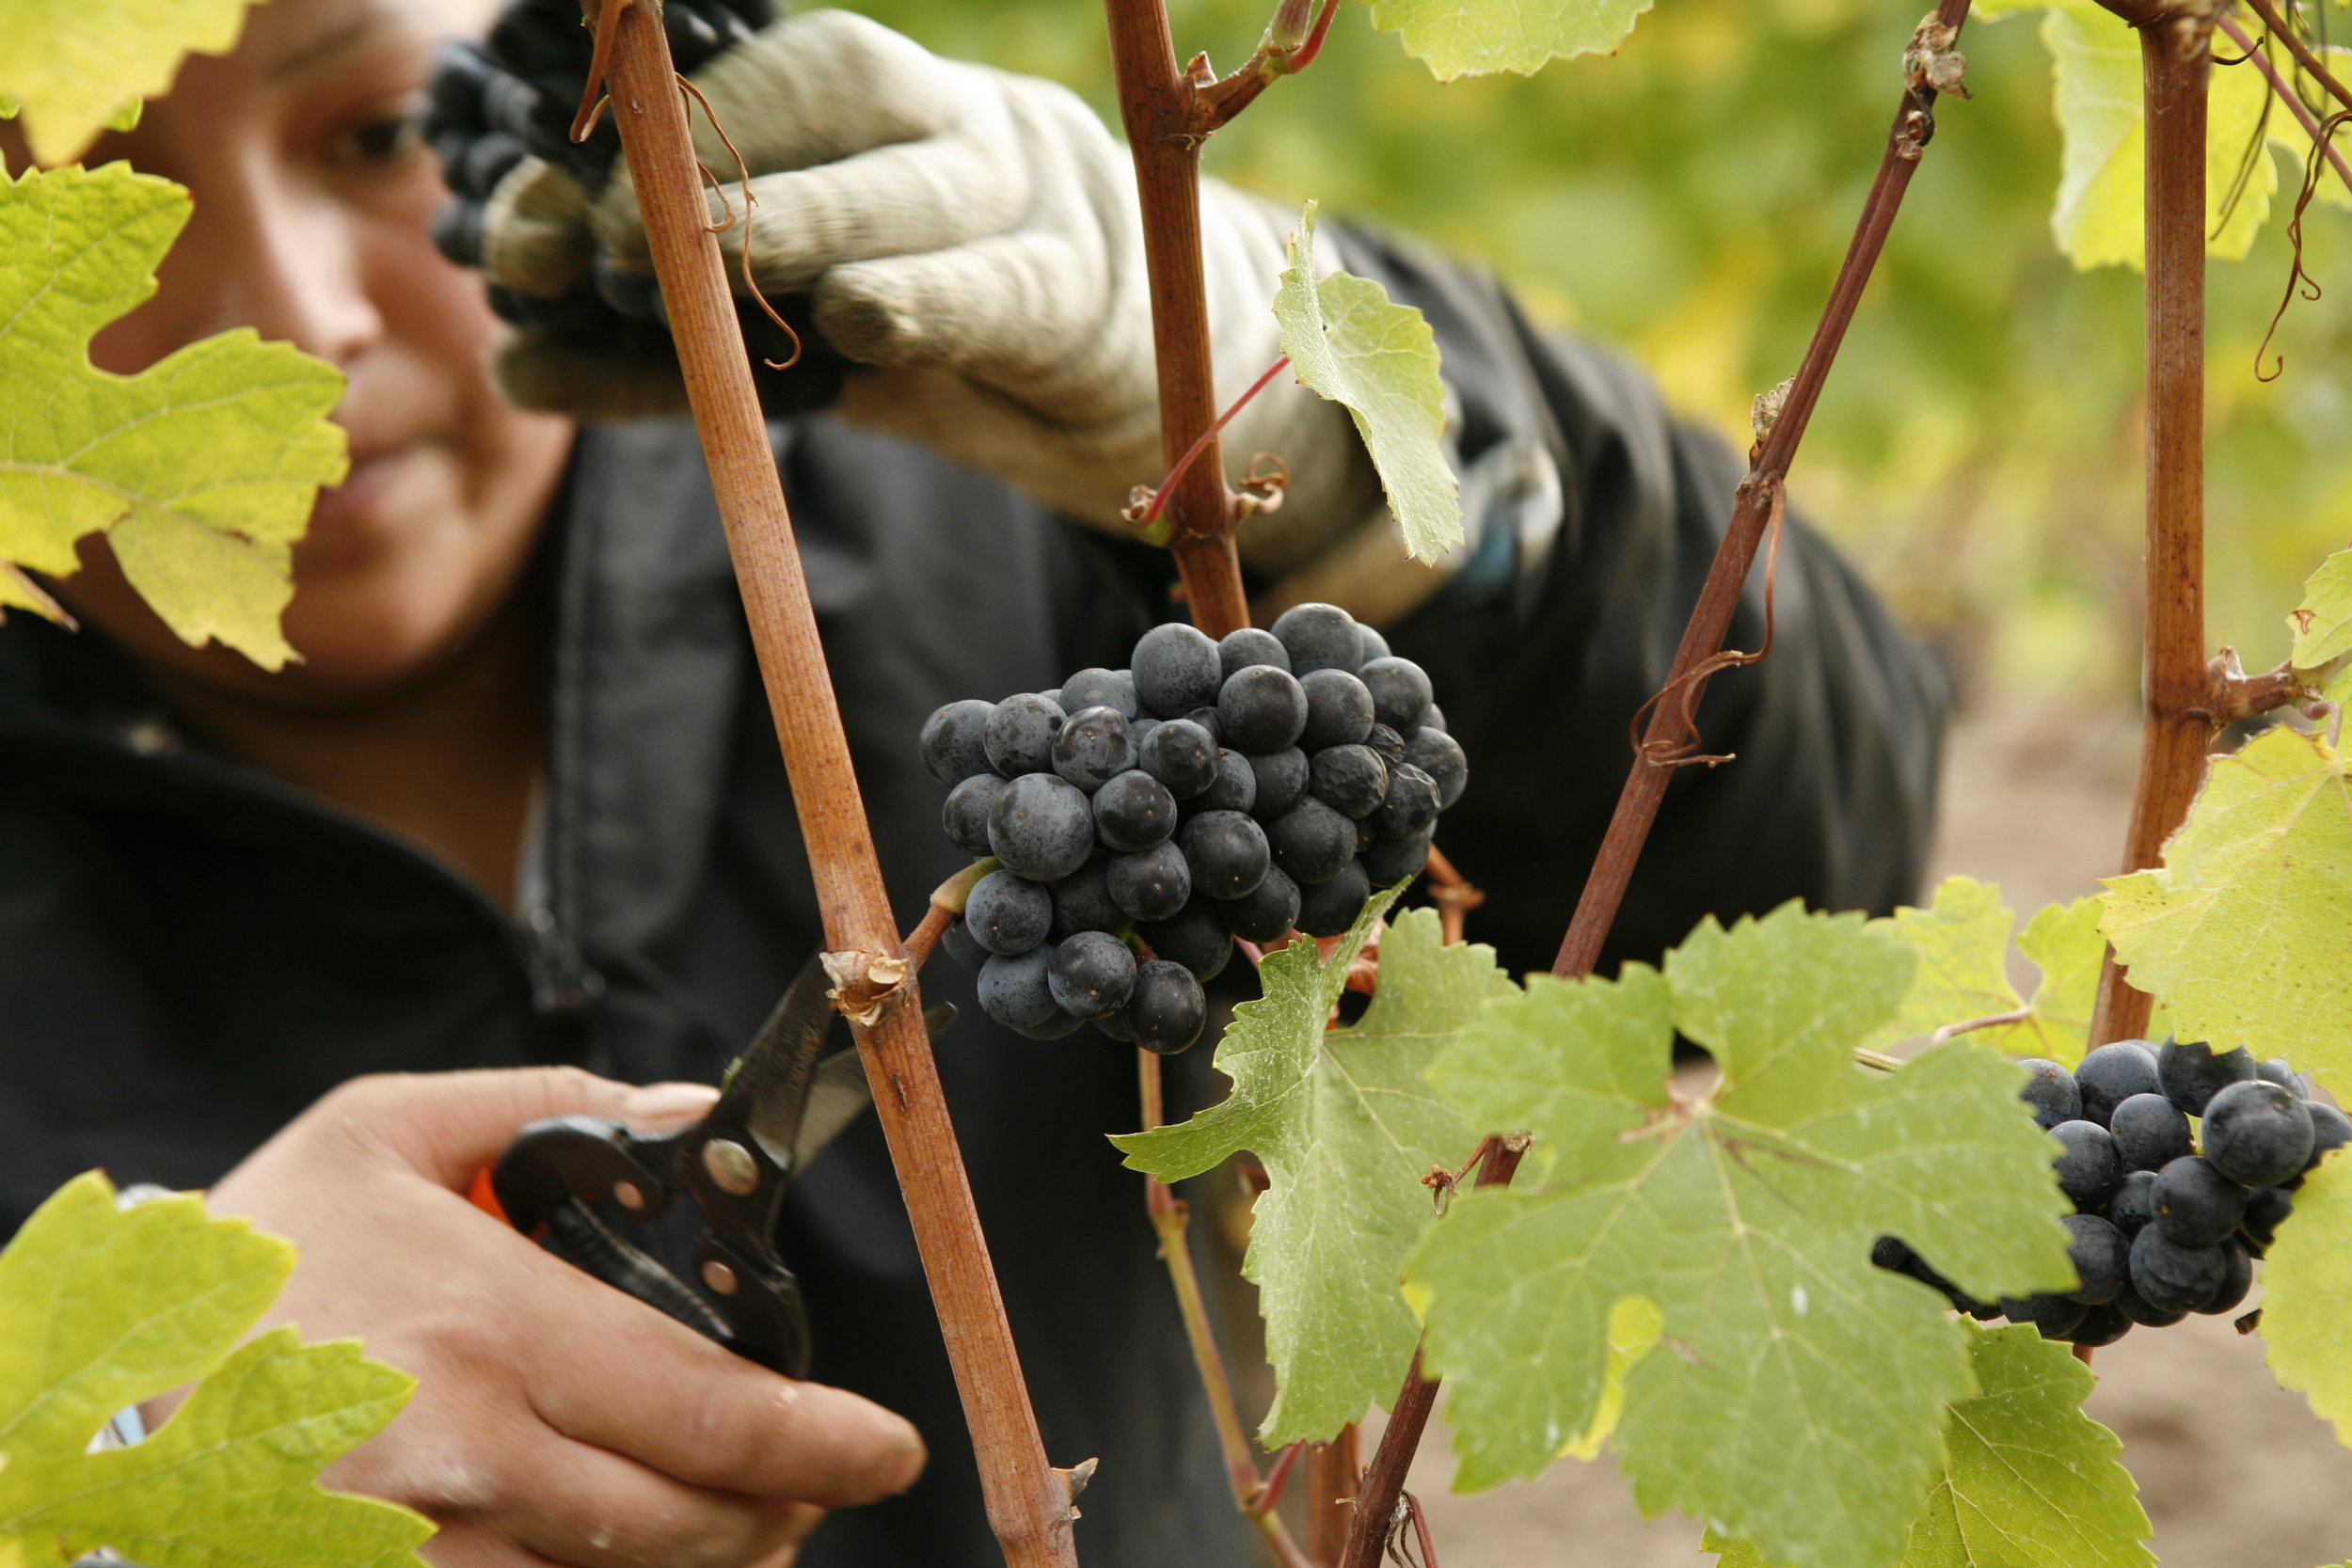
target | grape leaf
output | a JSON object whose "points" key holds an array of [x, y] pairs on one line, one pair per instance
{"points": [[2322, 622], [2307, 1278], [2028, 1480], [101, 1307], [2247, 927], [1472, 38], [203, 467], [2100, 200], [1350, 344], [1797, 1393], [1962, 941], [73, 71], [1347, 1126]]}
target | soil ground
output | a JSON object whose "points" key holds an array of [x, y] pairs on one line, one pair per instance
{"points": [[2234, 1472]]}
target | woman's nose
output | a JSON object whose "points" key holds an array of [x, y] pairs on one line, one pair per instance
{"points": [[297, 271]]}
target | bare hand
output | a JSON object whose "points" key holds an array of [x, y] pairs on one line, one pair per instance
{"points": [[555, 1418]]}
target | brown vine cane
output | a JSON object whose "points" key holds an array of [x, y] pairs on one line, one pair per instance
{"points": [[1029, 1501]]}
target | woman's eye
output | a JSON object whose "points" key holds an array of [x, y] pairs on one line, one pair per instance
{"points": [[374, 143]]}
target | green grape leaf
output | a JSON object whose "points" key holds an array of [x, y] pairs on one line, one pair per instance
{"points": [[2246, 930], [1346, 1127], [2028, 1480], [2322, 622], [1796, 1394], [1962, 941], [202, 468], [101, 1307], [2307, 1278], [2100, 201], [1349, 343], [73, 71], [1473, 37]]}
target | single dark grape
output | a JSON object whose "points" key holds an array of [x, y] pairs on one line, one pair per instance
{"points": [[1139, 730], [1100, 688], [1008, 914], [1115, 1026], [1041, 826], [2195, 1203], [2101, 1326], [1282, 779], [1181, 755], [1319, 637], [1386, 744], [2171, 1277], [1082, 900], [1055, 697], [2087, 1170], [1195, 937], [1133, 811], [1261, 709], [2265, 1209], [2150, 1131], [2192, 1074], [1410, 806], [955, 740], [1020, 735], [2100, 1256], [2279, 1072], [1227, 852], [1351, 780], [1339, 710], [1206, 718], [1432, 718], [1326, 909], [1388, 860], [2331, 1130], [965, 815], [1167, 1008], [2140, 1311], [2134, 1204], [1152, 885], [2237, 1277], [1091, 975], [1372, 644], [2258, 1135], [2054, 1315], [2112, 1074], [1176, 669], [1312, 842], [960, 945], [1439, 755], [1094, 747], [1015, 992], [1057, 1026], [1400, 693], [2050, 1090], [1235, 788], [1268, 912], [1250, 646]]}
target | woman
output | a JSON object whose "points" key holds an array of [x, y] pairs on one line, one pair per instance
{"points": [[519, 804]]}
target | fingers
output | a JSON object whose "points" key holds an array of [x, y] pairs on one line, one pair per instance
{"points": [[447, 1125], [611, 1372], [823, 85], [590, 1508], [996, 310], [534, 233]]}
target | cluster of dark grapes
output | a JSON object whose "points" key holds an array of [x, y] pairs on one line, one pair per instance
{"points": [[2167, 1219], [1144, 817]]}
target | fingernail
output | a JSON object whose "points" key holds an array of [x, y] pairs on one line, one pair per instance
{"points": [[908, 1467], [657, 1106]]}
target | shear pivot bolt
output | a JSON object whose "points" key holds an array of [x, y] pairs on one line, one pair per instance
{"points": [[627, 1196], [719, 1277], [731, 1167]]}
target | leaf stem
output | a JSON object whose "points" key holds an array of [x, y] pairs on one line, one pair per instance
{"points": [[1757, 503], [1029, 1503], [1159, 497], [2179, 719], [1498, 1160]]}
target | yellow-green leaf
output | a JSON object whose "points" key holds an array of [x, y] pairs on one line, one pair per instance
{"points": [[2322, 622], [101, 1307], [2307, 1281], [2246, 930], [202, 468], [76, 68], [1472, 38], [1350, 344]]}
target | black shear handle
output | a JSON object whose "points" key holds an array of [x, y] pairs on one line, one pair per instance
{"points": [[556, 1168]]}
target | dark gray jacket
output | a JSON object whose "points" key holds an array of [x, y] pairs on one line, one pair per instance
{"points": [[190, 953]]}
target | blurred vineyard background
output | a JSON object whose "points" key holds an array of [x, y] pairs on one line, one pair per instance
{"points": [[1978, 450]]}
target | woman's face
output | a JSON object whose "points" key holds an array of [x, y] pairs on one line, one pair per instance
{"points": [[313, 197]]}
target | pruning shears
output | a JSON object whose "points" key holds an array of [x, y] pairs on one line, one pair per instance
{"points": [[780, 1105]]}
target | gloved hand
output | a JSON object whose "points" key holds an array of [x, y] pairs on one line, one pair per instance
{"points": [[970, 238]]}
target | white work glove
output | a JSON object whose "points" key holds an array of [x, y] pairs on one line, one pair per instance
{"points": [[971, 238]]}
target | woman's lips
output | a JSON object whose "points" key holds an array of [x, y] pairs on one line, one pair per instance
{"points": [[361, 492]]}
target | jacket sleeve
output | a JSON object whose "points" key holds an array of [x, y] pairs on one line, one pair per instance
{"points": [[1593, 518]]}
